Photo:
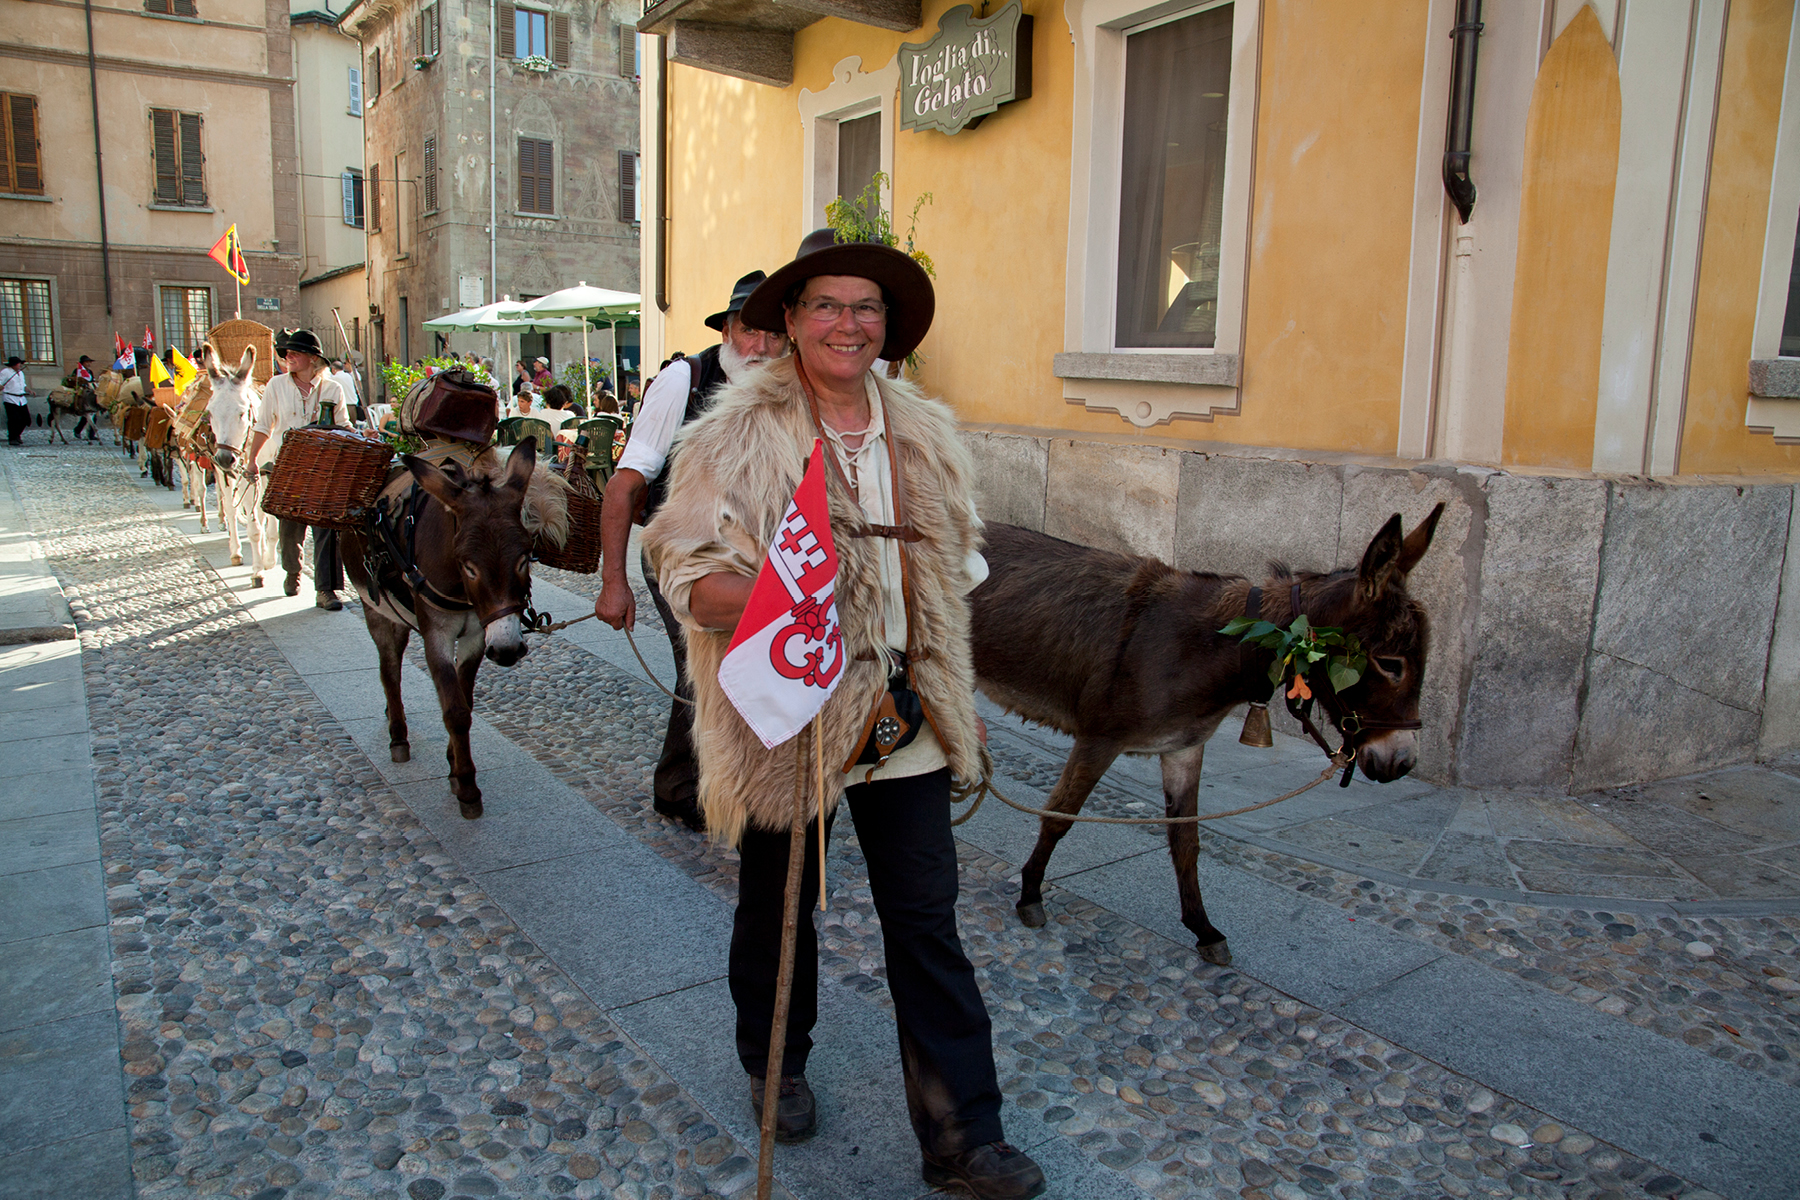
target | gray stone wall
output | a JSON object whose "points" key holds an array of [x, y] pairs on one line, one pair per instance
{"points": [[1586, 632]]}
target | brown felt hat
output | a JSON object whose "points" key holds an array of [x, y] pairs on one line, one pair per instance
{"points": [[911, 300]]}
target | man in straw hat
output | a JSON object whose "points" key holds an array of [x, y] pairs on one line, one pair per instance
{"points": [[907, 538], [680, 393], [291, 400]]}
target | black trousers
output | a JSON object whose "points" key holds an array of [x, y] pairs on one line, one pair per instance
{"points": [[328, 568], [677, 772], [18, 420], [946, 1039]]}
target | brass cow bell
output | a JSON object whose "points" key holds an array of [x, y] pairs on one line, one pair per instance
{"points": [[1256, 727]]}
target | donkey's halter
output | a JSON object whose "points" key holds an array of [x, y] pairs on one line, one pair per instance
{"points": [[1353, 726], [405, 560]]}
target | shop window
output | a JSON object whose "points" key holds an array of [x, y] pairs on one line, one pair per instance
{"points": [[23, 168], [537, 175], [180, 163], [26, 328], [353, 198], [1172, 181], [187, 315]]}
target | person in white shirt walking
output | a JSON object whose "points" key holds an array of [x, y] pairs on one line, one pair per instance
{"points": [[305, 393], [12, 391]]}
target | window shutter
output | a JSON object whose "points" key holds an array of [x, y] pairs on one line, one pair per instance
{"points": [[156, 6], [546, 186], [356, 91], [431, 181], [433, 25], [185, 8], [27, 165], [373, 200], [628, 60], [559, 39], [162, 146], [505, 30], [374, 73], [193, 162], [527, 198], [627, 186], [349, 187]]}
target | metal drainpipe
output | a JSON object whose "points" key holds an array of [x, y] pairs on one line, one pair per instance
{"points": [[493, 174], [99, 172], [662, 177], [1458, 135]]}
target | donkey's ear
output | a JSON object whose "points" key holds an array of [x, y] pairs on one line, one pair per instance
{"points": [[520, 464], [438, 484], [1381, 560], [246, 364], [1413, 549]]}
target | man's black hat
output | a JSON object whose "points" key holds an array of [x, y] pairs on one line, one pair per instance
{"points": [[84, 358], [303, 341], [740, 292]]}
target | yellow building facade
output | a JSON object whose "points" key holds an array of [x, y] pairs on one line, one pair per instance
{"points": [[1588, 369]]}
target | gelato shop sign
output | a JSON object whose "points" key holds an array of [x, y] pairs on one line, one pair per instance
{"points": [[970, 68]]}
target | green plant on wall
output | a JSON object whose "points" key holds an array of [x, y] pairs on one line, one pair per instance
{"points": [[864, 220], [400, 377], [580, 378]]}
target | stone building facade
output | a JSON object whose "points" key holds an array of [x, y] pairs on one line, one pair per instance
{"points": [[77, 261], [561, 100], [328, 95]]}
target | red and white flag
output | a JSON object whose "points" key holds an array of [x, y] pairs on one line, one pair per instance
{"points": [[787, 654]]}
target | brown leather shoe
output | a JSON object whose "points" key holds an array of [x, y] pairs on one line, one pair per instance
{"points": [[995, 1171], [796, 1113]]}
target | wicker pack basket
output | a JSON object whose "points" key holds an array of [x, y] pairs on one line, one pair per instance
{"points": [[327, 477], [581, 552], [230, 337], [156, 432]]}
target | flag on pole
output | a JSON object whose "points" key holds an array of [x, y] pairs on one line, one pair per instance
{"points": [[149, 339], [787, 654], [158, 372], [185, 371], [121, 347], [228, 252]]}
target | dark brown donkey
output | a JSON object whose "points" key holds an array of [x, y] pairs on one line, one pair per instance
{"points": [[454, 563], [1124, 655]]}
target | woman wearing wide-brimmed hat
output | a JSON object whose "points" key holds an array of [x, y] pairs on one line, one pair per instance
{"points": [[907, 538]]}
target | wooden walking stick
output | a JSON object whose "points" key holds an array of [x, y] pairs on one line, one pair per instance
{"points": [[784, 977], [819, 774]]}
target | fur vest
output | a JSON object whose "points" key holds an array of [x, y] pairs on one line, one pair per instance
{"points": [[734, 472]]}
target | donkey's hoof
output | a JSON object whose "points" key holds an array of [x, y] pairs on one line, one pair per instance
{"points": [[1217, 953], [471, 809], [256, 581], [237, 560], [400, 752], [1032, 915]]}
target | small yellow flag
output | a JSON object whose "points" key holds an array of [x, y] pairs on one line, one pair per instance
{"points": [[185, 371], [158, 372]]}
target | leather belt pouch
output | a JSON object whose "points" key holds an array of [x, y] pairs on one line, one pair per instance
{"points": [[894, 723]]}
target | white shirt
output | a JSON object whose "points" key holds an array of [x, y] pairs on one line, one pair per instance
{"points": [[282, 408], [12, 385], [658, 420], [347, 381], [555, 418]]}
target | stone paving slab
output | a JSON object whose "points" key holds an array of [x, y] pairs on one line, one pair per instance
{"points": [[53, 900], [93, 1166], [54, 977], [59, 1080]]}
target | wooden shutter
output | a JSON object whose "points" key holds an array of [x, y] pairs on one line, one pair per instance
{"points": [[193, 162], [559, 39], [431, 179], [356, 91], [433, 25], [25, 173], [374, 89], [157, 6], [349, 184], [628, 63], [628, 186], [185, 8], [505, 30], [373, 198], [162, 146]]}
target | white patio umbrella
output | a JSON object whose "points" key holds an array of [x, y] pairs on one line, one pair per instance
{"points": [[504, 317], [590, 303]]}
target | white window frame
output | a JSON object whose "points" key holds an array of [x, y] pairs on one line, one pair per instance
{"points": [[1148, 385], [1766, 414], [852, 93]]}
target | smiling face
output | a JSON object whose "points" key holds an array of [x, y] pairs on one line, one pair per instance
{"points": [[837, 352]]}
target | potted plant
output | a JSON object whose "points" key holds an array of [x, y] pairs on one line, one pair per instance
{"points": [[864, 220], [420, 62], [535, 62]]}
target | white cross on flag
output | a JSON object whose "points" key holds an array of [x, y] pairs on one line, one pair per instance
{"points": [[787, 654]]}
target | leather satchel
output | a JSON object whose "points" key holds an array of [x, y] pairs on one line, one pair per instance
{"points": [[893, 723], [451, 404]]}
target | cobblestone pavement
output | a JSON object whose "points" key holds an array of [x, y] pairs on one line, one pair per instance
{"points": [[315, 1000]]}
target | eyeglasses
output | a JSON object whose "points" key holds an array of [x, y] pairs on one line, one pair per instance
{"points": [[866, 312]]}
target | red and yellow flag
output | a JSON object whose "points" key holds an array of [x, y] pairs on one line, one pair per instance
{"points": [[228, 252]]}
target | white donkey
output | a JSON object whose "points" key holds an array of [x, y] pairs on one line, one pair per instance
{"points": [[232, 412]]}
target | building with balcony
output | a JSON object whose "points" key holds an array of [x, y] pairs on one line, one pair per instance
{"points": [[1204, 293], [501, 160], [131, 144]]}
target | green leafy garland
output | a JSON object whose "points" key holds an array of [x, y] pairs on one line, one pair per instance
{"points": [[1301, 647]]}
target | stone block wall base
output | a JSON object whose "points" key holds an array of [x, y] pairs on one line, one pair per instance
{"points": [[1585, 632]]}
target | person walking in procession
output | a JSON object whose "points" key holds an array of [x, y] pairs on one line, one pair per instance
{"points": [[12, 392], [903, 521], [677, 396], [291, 400]]}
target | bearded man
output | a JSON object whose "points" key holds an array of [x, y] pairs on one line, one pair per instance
{"points": [[682, 392]]}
